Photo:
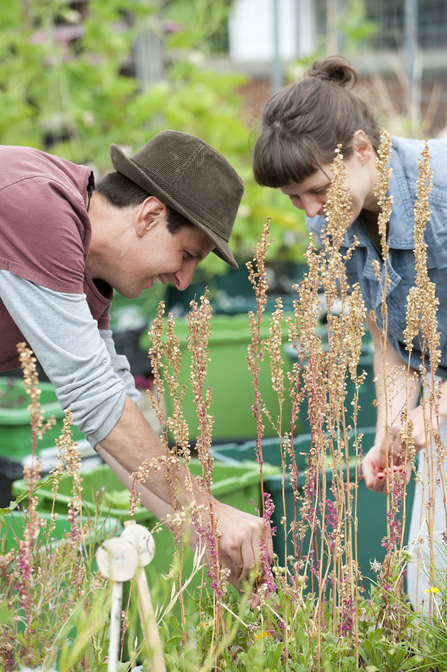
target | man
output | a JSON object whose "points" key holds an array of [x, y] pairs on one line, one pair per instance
{"points": [[64, 247]]}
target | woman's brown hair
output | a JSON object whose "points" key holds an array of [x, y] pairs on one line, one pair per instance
{"points": [[303, 123]]}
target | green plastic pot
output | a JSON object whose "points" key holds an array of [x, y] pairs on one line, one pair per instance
{"points": [[230, 381], [234, 484], [14, 525], [15, 428]]}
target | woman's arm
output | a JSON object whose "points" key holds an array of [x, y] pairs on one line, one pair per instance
{"points": [[397, 399], [389, 412]]}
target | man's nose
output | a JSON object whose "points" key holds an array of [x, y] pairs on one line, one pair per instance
{"points": [[184, 276]]}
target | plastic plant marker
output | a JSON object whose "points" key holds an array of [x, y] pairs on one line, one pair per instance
{"points": [[144, 544], [118, 561]]}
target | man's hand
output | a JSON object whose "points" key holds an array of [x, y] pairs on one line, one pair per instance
{"points": [[130, 442], [239, 548]]}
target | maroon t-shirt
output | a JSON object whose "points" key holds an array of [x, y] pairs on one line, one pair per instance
{"points": [[45, 234]]}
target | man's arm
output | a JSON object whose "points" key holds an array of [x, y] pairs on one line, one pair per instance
{"points": [[133, 440], [66, 341], [229, 520]]}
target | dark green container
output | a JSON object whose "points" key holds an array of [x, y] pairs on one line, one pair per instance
{"points": [[234, 283], [371, 506], [15, 428], [367, 413]]}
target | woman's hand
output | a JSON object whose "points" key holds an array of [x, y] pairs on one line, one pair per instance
{"points": [[376, 471], [376, 474]]}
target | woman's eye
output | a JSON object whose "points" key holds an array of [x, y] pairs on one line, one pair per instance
{"points": [[320, 192]]}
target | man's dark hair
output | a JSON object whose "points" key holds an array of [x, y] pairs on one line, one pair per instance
{"points": [[123, 193]]}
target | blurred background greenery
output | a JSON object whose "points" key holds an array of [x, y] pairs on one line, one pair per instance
{"points": [[77, 76]]}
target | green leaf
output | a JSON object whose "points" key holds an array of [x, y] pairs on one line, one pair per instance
{"points": [[172, 643], [24, 495], [5, 614], [122, 667]]}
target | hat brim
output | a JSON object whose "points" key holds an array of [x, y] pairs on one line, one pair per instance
{"points": [[168, 195]]}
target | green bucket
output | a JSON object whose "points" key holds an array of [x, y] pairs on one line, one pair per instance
{"points": [[15, 427], [233, 393]]}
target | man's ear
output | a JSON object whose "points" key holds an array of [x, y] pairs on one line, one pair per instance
{"points": [[148, 214], [362, 146]]}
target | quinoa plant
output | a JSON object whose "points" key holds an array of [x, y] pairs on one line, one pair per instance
{"points": [[314, 613], [51, 598], [422, 328]]}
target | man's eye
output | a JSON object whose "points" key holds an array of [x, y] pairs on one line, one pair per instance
{"points": [[320, 192], [187, 255]]}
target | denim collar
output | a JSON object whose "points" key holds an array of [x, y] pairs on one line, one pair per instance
{"points": [[401, 229]]}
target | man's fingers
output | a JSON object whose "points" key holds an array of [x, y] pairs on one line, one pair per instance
{"points": [[250, 560], [250, 550], [245, 546], [268, 534], [244, 550]]}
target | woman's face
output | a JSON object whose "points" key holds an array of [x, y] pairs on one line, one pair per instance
{"points": [[310, 195]]}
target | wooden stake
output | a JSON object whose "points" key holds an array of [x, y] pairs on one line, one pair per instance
{"points": [[143, 542], [118, 561]]}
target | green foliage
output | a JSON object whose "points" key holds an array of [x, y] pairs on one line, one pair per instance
{"points": [[76, 98], [50, 480], [201, 20], [356, 27]]}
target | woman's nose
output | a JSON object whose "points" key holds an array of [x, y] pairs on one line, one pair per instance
{"points": [[312, 206]]}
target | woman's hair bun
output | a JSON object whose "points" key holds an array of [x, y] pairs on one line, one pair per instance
{"points": [[335, 69]]}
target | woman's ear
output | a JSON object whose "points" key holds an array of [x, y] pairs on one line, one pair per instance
{"points": [[148, 214], [362, 146]]}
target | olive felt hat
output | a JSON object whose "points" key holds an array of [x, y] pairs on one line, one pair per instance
{"points": [[191, 177]]}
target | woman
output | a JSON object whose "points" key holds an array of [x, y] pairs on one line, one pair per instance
{"points": [[301, 127]]}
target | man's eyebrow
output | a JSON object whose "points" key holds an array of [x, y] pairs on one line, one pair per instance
{"points": [[196, 253]]}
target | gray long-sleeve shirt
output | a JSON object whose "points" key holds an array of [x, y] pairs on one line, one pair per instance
{"points": [[80, 360]]}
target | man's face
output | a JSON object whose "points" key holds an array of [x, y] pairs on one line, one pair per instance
{"points": [[159, 256]]}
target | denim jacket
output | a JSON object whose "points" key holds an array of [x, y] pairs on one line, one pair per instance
{"points": [[401, 262]]}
